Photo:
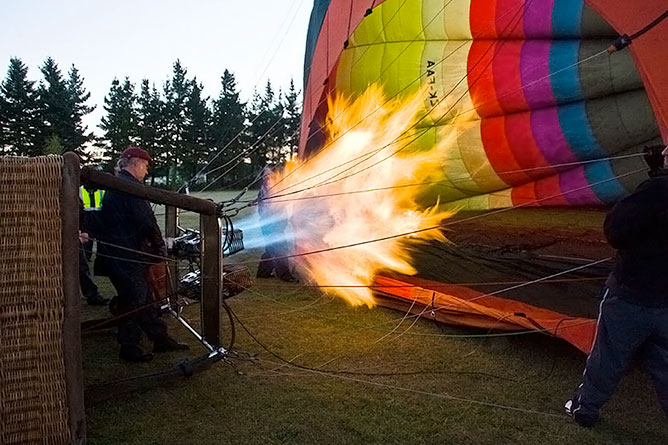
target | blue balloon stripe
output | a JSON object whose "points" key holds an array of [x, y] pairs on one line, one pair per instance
{"points": [[566, 18]]}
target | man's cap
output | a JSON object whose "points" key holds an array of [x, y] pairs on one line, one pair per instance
{"points": [[136, 152]]}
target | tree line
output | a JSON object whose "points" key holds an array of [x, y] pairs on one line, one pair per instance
{"points": [[220, 142]]}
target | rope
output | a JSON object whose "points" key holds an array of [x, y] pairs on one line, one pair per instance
{"points": [[319, 130], [447, 224], [341, 375], [219, 152], [239, 158], [350, 18], [414, 286], [117, 246], [550, 167], [379, 76], [469, 336], [515, 90], [651, 25], [333, 179]]}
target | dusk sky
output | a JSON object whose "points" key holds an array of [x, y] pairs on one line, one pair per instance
{"points": [[255, 39]]}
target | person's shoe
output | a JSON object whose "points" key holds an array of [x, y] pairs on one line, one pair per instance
{"points": [[134, 354], [97, 300], [573, 411], [169, 344]]}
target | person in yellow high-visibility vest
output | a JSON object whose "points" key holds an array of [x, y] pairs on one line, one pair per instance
{"points": [[91, 201], [91, 204]]}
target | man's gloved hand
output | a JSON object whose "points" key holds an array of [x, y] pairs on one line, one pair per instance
{"points": [[169, 243]]}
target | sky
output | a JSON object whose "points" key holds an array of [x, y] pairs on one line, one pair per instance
{"points": [[254, 39]]}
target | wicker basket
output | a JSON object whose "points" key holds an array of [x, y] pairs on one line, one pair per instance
{"points": [[33, 385]]}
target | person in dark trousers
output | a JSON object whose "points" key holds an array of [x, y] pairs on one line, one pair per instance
{"points": [[274, 222], [129, 222], [89, 289], [633, 317]]}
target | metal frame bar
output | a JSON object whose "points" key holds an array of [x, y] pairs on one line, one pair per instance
{"points": [[171, 231]]}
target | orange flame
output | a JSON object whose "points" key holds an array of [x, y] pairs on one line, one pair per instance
{"points": [[357, 189]]}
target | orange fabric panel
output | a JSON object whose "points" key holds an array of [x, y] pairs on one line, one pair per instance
{"points": [[465, 306], [650, 51]]}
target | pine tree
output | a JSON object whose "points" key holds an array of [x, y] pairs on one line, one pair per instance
{"points": [[53, 145], [54, 103], [20, 123], [78, 97], [120, 122], [150, 127], [177, 91], [196, 139], [227, 130], [63, 105], [266, 114], [292, 119]]}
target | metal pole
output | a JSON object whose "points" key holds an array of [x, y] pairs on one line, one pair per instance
{"points": [[212, 278], [171, 221]]}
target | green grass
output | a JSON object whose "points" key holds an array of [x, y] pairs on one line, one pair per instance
{"points": [[422, 383]]}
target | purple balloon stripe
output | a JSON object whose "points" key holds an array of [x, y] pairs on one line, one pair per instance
{"points": [[575, 187], [549, 137], [535, 65], [538, 19]]}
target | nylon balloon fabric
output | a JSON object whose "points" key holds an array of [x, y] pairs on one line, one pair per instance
{"points": [[534, 111], [550, 114]]}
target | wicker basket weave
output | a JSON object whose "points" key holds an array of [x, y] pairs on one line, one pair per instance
{"points": [[33, 396]]}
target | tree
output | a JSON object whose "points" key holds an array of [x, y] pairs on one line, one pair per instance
{"points": [[196, 138], [177, 91], [63, 105], [54, 104], [120, 122], [78, 97], [265, 128], [292, 119], [20, 123], [150, 127], [227, 130], [53, 145]]}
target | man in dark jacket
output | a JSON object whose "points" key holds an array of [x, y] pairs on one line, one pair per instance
{"points": [[633, 316], [129, 222]]}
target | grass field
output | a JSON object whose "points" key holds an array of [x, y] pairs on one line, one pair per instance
{"points": [[359, 375]]}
